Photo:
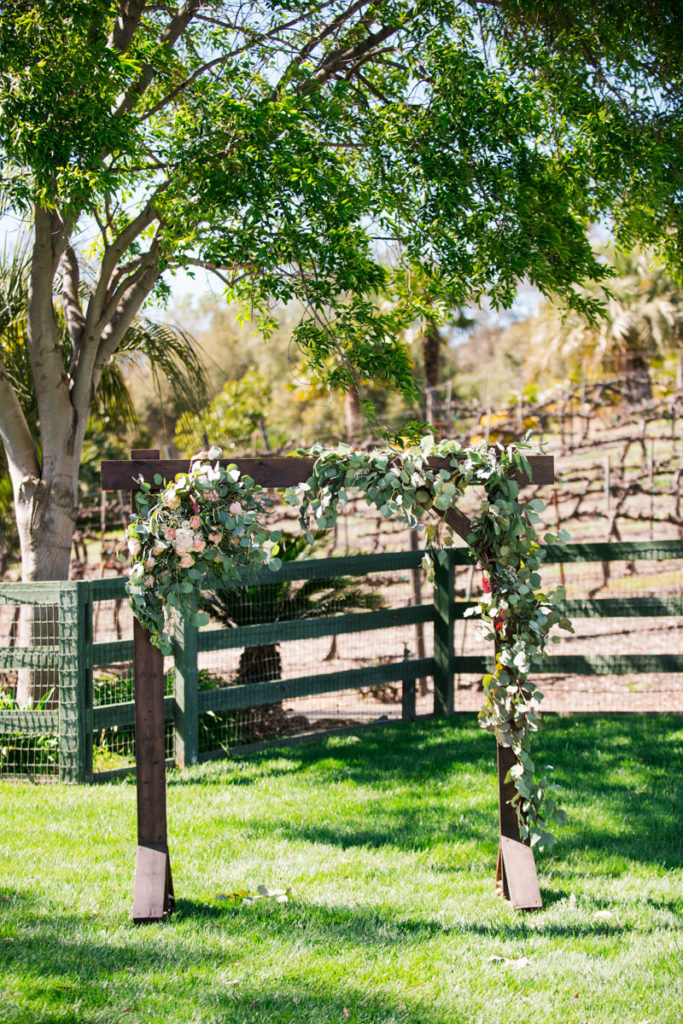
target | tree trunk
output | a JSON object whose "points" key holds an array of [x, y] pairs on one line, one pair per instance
{"points": [[353, 416], [431, 351], [46, 517]]}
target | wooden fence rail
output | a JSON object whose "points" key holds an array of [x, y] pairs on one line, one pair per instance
{"points": [[77, 721]]}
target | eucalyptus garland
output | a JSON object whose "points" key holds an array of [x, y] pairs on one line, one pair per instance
{"points": [[515, 614], [200, 532]]}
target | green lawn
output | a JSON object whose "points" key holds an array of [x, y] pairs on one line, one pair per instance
{"points": [[388, 841]]}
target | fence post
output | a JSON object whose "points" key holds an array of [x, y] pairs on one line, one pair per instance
{"points": [[444, 631], [185, 685], [84, 610], [407, 693], [75, 705]]}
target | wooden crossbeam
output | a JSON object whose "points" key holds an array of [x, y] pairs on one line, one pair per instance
{"points": [[275, 471], [153, 895]]}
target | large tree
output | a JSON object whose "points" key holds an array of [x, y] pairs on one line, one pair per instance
{"points": [[161, 352], [313, 150]]}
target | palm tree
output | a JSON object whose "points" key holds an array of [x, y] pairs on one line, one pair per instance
{"points": [[643, 317]]}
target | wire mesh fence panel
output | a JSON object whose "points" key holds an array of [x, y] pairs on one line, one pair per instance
{"points": [[34, 623], [113, 689], [26, 756], [625, 653], [365, 626], [321, 644]]}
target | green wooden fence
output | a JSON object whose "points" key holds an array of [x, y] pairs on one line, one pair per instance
{"points": [[76, 721], [610, 607]]}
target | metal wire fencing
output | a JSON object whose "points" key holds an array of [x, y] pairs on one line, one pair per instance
{"points": [[321, 644], [625, 601]]}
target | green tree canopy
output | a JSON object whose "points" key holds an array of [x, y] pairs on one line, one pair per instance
{"points": [[320, 151]]}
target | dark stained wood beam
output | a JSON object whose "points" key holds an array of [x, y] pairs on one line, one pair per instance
{"points": [[270, 471]]}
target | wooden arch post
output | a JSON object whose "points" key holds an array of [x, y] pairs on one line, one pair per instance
{"points": [[153, 897]]}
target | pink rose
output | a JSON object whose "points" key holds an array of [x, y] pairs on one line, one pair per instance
{"points": [[134, 546], [195, 522], [199, 544], [149, 581], [184, 540], [214, 537], [235, 509], [170, 533], [187, 561]]}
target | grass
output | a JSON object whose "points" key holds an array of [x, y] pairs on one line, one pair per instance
{"points": [[388, 841]]}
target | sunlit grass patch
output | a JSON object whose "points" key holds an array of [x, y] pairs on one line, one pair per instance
{"points": [[384, 843]]}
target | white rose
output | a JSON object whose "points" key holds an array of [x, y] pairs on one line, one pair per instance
{"points": [[235, 509], [170, 499]]}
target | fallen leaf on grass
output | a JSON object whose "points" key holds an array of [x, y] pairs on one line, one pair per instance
{"points": [[522, 961], [232, 897], [262, 893]]}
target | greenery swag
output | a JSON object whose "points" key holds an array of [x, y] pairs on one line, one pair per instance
{"points": [[202, 532]]}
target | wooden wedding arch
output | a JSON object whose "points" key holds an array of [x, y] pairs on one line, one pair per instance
{"points": [[153, 895]]}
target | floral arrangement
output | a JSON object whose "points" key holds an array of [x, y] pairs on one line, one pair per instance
{"points": [[200, 532], [515, 614]]}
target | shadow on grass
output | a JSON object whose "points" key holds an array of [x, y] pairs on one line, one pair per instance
{"points": [[401, 751], [626, 768], [208, 958], [623, 768], [407, 828], [200, 935]]}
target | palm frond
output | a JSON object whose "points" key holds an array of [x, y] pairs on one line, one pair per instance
{"points": [[172, 354], [113, 402]]}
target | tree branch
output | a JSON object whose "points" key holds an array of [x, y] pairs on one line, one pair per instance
{"points": [[49, 377], [71, 300], [125, 312], [339, 59], [117, 293], [182, 86], [169, 37], [125, 25], [15, 435], [329, 30], [221, 272], [112, 255], [87, 367]]}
